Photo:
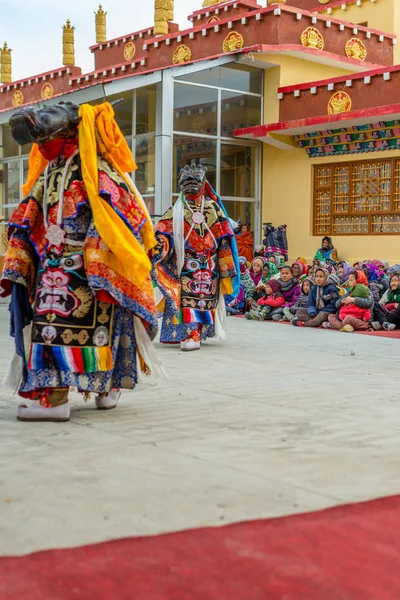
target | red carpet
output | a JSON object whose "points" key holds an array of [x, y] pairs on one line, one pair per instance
{"points": [[346, 553]]}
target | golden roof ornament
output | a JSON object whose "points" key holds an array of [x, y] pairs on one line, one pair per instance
{"points": [[355, 49], [47, 91], [163, 13], [129, 51], [101, 25], [68, 44], [340, 102], [5, 72], [312, 38], [233, 41], [18, 98], [182, 55]]}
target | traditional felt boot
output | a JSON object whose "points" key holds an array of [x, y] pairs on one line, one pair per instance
{"points": [[49, 407], [192, 343], [108, 401]]}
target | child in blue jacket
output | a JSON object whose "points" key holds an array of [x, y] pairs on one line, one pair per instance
{"points": [[321, 302]]}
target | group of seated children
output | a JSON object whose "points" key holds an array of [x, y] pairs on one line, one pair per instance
{"points": [[362, 297]]}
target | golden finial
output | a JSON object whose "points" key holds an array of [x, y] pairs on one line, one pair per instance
{"points": [[68, 44], [101, 25], [163, 13], [5, 73]]}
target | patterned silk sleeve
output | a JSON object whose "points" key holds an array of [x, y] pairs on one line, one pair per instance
{"points": [[163, 250], [225, 259], [19, 264]]}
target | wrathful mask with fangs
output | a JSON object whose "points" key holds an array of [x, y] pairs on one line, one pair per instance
{"points": [[37, 125], [192, 179]]}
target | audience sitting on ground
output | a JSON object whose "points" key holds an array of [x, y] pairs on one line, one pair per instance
{"points": [[256, 269], [269, 302], [321, 301], [291, 291], [327, 253], [354, 309], [387, 310], [302, 302], [328, 294], [299, 269], [259, 251]]}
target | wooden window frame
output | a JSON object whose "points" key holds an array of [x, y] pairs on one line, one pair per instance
{"points": [[350, 214]]}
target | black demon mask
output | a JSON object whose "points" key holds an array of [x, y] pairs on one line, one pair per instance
{"points": [[39, 125], [192, 179]]}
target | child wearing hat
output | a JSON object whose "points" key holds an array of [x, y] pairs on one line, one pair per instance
{"points": [[350, 316], [321, 301], [272, 299], [302, 303]]}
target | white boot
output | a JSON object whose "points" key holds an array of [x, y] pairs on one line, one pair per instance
{"points": [[190, 345], [108, 401], [37, 412]]}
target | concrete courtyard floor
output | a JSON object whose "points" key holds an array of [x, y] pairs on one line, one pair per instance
{"points": [[274, 421]]}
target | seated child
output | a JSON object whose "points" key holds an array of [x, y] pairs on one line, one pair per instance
{"points": [[272, 299], [290, 313], [290, 289], [256, 269], [235, 306], [268, 272], [245, 280], [299, 270], [259, 251], [352, 317], [387, 312], [321, 302]]}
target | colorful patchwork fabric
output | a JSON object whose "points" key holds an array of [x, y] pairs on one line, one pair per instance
{"points": [[122, 375], [78, 339], [103, 273], [191, 299]]}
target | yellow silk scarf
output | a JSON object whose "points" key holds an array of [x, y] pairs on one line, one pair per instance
{"points": [[100, 134]]}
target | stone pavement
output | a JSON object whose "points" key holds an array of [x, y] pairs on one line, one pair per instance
{"points": [[274, 421]]}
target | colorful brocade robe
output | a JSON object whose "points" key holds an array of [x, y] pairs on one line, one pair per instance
{"points": [[83, 332], [192, 297]]}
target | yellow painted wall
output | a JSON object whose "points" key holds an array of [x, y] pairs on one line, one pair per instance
{"points": [[382, 14], [287, 199], [296, 70]]}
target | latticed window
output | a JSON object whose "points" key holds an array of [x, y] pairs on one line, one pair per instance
{"points": [[357, 198]]}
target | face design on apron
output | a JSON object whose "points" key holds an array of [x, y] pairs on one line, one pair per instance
{"points": [[200, 280], [55, 293]]}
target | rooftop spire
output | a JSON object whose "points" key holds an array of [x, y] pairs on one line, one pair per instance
{"points": [[68, 44], [101, 25], [5, 73], [163, 13]]}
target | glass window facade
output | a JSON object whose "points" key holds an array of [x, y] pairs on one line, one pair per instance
{"points": [[195, 109], [188, 149], [206, 108], [232, 77]]}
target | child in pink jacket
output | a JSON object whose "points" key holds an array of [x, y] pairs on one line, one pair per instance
{"points": [[266, 304]]}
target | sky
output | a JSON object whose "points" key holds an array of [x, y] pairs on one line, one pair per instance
{"points": [[32, 28]]}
